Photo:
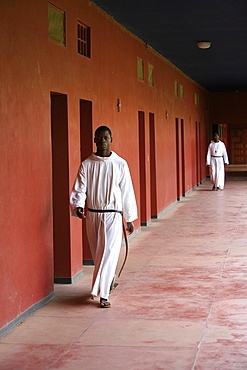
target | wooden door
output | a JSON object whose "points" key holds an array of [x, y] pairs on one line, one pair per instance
{"points": [[238, 146], [142, 161], [153, 174], [86, 147]]}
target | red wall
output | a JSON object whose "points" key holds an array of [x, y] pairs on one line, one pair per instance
{"points": [[228, 108], [34, 66]]}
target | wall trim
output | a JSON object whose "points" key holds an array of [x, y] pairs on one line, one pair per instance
{"points": [[147, 223], [69, 280], [88, 263], [24, 315], [166, 209], [177, 201]]}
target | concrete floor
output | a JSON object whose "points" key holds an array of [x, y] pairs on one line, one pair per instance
{"points": [[181, 302]]}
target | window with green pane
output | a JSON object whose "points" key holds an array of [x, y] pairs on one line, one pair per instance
{"points": [[150, 75], [140, 69], [56, 21]]}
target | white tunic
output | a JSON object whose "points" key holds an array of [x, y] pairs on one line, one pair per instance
{"points": [[105, 183], [216, 158]]}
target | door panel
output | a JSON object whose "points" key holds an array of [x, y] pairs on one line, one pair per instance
{"points": [[86, 138], [239, 146], [153, 175], [60, 187], [142, 161]]}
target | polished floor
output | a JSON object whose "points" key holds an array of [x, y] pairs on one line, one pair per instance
{"points": [[181, 302]]}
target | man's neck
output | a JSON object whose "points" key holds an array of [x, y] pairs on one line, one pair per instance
{"points": [[104, 153]]}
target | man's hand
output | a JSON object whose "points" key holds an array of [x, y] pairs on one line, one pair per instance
{"points": [[80, 212], [130, 227]]}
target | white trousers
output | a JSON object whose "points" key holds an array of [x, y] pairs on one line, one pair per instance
{"points": [[104, 231], [217, 172]]}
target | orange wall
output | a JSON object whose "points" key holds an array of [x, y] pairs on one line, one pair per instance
{"points": [[34, 66]]}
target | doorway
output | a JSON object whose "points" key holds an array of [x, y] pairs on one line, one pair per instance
{"points": [[60, 187], [180, 158], [142, 163], [86, 147], [153, 179], [183, 156], [198, 154]]}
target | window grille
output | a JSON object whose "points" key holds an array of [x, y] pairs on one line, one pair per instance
{"points": [[150, 75], [83, 40]]}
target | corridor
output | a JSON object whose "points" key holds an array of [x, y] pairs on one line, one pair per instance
{"points": [[181, 302]]}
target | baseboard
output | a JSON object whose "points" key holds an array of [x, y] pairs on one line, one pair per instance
{"points": [[68, 280], [24, 315], [88, 262]]}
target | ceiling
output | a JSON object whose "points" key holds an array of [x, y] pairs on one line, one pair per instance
{"points": [[173, 27]]}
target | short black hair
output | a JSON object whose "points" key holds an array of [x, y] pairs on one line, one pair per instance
{"points": [[102, 128]]}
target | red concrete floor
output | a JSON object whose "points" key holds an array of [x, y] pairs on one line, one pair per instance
{"points": [[181, 302]]}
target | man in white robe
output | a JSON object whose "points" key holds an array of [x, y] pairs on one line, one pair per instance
{"points": [[104, 181], [217, 158]]}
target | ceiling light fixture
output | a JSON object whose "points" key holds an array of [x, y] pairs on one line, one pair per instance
{"points": [[203, 44]]}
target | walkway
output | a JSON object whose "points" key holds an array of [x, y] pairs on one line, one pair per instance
{"points": [[181, 302]]}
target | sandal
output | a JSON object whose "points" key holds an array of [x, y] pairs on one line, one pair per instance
{"points": [[113, 285], [104, 303]]}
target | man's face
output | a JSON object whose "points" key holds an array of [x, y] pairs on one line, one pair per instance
{"points": [[103, 141], [216, 138]]}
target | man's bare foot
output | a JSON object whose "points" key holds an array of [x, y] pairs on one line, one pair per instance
{"points": [[92, 297]]}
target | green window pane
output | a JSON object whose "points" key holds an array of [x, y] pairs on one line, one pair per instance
{"points": [[150, 75], [140, 72], [56, 19]]}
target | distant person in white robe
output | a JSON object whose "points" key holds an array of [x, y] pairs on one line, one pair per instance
{"points": [[217, 158], [104, 180]]}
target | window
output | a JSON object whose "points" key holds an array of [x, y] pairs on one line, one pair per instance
{"points": [[56, 22], [176, 88], [181, 92], [150, 75], [140, 69], [83, 40], [197, 100]]}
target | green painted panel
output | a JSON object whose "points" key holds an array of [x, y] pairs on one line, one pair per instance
{"points": [[56, 18]]}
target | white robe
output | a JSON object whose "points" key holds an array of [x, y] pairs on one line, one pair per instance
{"points": [[216, 158], [105, 183]]}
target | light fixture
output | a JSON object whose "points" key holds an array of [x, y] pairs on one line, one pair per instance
{"points": [[119, 105], [203, 44], [166, 114]]}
